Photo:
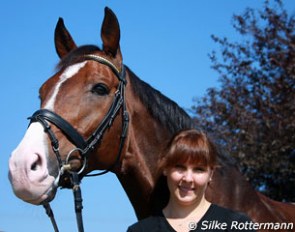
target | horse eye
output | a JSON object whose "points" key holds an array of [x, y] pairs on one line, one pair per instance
{"points": [[100, 89]]}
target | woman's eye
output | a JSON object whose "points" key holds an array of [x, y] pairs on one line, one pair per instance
{"points": [[179, 167], [200, 169], [100, 89]]}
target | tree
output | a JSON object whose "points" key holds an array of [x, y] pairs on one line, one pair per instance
{"points": [[251, 115]]}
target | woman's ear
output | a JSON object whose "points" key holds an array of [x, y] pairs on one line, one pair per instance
{"points": [[165, 172], [211, 175]]}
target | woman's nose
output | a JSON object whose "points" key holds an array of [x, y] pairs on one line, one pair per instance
{"points": [[188, 176]]}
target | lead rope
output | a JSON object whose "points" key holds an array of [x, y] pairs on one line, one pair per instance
{"points": [[78, 204], [50, 214], [78, 200]]}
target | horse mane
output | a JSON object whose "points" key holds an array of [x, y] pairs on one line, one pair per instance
{"points": [[170, 115], [163, 109]]}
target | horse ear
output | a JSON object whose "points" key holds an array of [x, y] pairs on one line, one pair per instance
{"points": [[64, 42], [110, 33]]}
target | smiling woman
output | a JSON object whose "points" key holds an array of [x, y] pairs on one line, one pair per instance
{"points": [[188, 167]]}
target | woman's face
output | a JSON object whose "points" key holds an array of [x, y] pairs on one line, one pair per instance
{"points": [[187, 183]]}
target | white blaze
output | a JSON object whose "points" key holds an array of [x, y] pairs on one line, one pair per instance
{"points": [[67, 74]]}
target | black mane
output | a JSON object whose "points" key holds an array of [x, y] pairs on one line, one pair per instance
{"points": [[170, 115], [166, 111]]}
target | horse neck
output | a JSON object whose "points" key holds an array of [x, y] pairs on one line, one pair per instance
{"points": [[147, 137], [139, 166], [230, 189]]}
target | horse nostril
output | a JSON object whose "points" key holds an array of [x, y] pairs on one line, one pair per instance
{"points": [[36, 164]]}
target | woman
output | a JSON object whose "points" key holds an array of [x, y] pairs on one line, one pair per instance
{"points": [[188, 168]]}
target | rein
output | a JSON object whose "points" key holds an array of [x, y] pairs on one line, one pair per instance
{"points": [[84, 147]]}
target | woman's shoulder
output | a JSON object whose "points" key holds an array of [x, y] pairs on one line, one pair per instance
{"points": [[225, 214], [155, 223], [143, 225]]}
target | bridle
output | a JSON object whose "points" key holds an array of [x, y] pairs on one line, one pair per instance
{"points": [[83, 147]]}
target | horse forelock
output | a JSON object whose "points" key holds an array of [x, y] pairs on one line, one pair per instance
{"points": [[163, 109], [76, 56]]}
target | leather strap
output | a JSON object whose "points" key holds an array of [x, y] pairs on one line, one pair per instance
{"points": [[72, 134]]}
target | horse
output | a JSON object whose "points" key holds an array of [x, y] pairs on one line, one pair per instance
{"points": [[96, 114]]}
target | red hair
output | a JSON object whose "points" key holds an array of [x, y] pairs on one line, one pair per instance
{"points": [[190, 146]]}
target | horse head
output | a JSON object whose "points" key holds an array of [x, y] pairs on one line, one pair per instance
{"points": [[79, 116]]}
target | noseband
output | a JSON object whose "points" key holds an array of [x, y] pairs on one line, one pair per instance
{"points": [[84, 147]]}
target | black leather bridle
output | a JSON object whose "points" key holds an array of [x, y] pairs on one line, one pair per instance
{"points": [[84, 147]]}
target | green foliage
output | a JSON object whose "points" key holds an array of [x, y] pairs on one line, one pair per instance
{"points": [[252, 114]]}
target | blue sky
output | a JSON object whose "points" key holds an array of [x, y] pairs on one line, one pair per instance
{"points": [[166, 43]]}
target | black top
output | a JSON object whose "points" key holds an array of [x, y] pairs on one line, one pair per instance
{"points": [[215, 219]]}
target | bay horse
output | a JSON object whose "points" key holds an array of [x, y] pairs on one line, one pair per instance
{"points": [[96, 114]]}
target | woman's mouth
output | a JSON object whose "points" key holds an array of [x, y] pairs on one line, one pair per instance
{"points": [[185, 188]]}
